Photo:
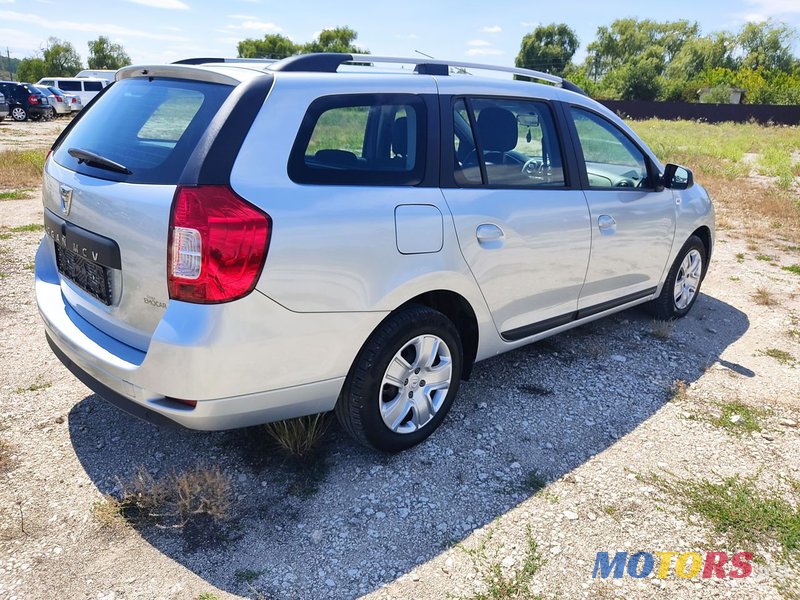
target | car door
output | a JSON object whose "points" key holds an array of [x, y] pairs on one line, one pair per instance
{"points": [[633, 218], [521, 219]]}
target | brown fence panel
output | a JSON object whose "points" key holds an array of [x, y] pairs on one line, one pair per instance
{"points": [[712, 113]]}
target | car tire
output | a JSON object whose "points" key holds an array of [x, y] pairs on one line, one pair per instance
{"points": [[385, 402], [18, 113], [682, 285]]}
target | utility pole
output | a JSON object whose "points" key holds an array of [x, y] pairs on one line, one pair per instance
{"points": [[8, 56]]}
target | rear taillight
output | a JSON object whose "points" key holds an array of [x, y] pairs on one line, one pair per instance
{"points": [[74, 100], [217, 245], [33, 99], [59, 99]]}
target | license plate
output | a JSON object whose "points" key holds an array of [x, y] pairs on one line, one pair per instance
{"points": [[89, 276]]}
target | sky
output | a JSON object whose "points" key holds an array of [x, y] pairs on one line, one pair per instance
{"points": [[158, 31]]}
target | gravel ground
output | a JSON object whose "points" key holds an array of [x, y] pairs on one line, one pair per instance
{"points": [[587, 411]]}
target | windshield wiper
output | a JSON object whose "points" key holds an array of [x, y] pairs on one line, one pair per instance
{"points": [[90, 158]]}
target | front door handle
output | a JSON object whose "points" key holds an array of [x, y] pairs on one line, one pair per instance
{"points": [[489, 235], [607, 225]]}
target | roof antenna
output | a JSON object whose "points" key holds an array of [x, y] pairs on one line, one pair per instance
{"points": [[425, 55]]}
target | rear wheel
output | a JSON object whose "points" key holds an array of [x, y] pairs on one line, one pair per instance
{"points": [[18, 113], [682, 286], [403, 380]]}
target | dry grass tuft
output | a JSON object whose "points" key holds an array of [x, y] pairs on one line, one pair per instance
{"points": [[299, 436], [662, 329], [109, 513], [177, 498], [764, 297], [679, 391], [22, 168]]}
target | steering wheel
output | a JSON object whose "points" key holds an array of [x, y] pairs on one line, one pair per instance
{"points": [[533, 168]]}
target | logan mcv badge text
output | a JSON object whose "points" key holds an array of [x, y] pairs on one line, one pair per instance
{"points": [[65, 192]]}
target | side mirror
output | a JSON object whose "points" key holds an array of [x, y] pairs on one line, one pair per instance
{"points": [[677, 178]]}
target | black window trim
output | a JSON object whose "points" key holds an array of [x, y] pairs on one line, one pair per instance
{"points": [[425, 172], [652, 172], [447, 104]]}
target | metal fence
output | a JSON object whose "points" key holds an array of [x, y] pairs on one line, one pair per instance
{"points": [[711, 113]]}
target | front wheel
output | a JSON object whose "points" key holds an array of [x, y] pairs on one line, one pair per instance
{"points": [[682, 285], [19, 114], [403, 380]]}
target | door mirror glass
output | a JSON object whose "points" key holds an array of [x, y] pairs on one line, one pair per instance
{"points": [[677, 177]]}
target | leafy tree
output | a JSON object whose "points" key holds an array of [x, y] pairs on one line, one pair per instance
{"points": [[638, 78], [61, 58], [338, 39], [31, 70], [104, 54], [767, 45], [270, 46], [548, 48]]}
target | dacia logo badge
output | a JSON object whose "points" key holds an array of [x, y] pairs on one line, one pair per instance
{"points": [[65, 192]]}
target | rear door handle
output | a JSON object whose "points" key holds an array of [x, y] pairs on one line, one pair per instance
{"points": [[489, 235]]}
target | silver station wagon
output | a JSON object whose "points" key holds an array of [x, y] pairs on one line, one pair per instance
{"points": [[232, 242]]}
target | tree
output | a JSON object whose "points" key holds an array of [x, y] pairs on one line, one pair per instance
{"points": [[338, 39], [548, 48], [103, 54], [31, 70], [61, 58], [767, 45], [271, 46]]}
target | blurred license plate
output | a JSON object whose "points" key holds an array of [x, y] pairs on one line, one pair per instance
{"points": [[90, 277]]}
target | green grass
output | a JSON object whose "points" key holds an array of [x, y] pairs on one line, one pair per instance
{"points": [[502, 583], [207, 596], [792, 269], [744, 514], [781, 356], [21, 168], [26, 228], [764, 258], [738, 418], [36, 386], [14, 194]]}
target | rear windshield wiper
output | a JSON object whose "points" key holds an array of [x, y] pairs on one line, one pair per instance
{"points": [[95, 160]]}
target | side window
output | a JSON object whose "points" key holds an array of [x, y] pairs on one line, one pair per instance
{"points": [[506, 142], [92, 86], [70, 86], [611, 158], [361, 140], [47, 82]]}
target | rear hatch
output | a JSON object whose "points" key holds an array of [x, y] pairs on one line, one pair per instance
{"points": [[108, 191]]}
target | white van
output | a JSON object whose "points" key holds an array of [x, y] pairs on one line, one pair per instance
{"points": [[85, 88], [107, 74]]}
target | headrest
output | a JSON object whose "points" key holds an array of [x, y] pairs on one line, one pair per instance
{"points": [[497, 129]]}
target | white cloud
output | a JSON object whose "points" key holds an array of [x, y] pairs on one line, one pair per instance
{"points": [[255, 25], [772, 8], [755, 18], [478, 43], [102, 28], [168, 4], [484, 52], [492, 29]]}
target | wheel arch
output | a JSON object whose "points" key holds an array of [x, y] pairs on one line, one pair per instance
{"points": [[704, 233]]}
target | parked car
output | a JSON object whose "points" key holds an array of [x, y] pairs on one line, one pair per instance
{"points": [[72, 102], [25, 101], [83, 87], [229, 245], [3, 108], [58, 103], [107, 74]]}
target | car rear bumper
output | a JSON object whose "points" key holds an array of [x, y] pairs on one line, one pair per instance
{"points": [[246, 362]]}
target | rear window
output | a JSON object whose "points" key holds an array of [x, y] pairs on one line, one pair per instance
{"points": [[150, 127], [70, 86], [92, 86]]}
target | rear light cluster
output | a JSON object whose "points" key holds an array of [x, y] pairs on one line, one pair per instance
{"points": [[218, 243], [33, 99], [59, 99]]}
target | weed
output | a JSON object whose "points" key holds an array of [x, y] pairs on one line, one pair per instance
{"points": [[740, 257], [26, 228], [662, 329], [5, 236], [740, 511], [247, 575], [14, 194], [781, 356], [738, 418], [22, 167], [207, 596], [36, 386], [735, 278], [299, 436], [752, 246], [503, 583], [534, 482], [764, 257], [109, 513], [679, 391], [178, 497], [611, 511], [792, 269], [764, 297]]}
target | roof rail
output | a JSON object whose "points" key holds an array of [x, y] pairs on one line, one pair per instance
{"points": [[330, 62], [203, 61]]}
